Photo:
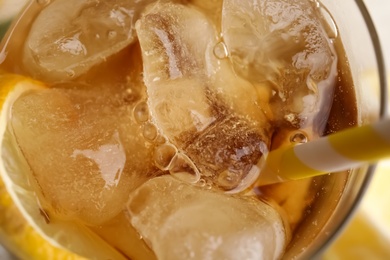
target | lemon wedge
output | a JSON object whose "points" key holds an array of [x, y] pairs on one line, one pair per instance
{"points": [[38, 235]]}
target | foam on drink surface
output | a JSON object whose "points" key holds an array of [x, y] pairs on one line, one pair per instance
{"points": [[156, 109]]}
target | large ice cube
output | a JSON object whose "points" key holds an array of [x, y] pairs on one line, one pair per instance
{"points": [[180, 221], [196, 100], [84, 149], [282, 44], [69, 37]]}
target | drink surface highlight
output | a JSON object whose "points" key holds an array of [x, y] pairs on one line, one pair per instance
{"points": [[153, 112]]}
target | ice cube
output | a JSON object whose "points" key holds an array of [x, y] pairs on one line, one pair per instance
{"points": [[180, 221], [69, 37], [195, 99], [84, 151], [282, 44], [121, 235], [212, 9]]}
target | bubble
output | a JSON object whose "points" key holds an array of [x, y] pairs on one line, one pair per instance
{"points": [[221, 50], [160, 139], [141, 112], [163, 156], [150, 131], [184, 169], [202, 182], [229, 180], [209, 185], [299, 138]]}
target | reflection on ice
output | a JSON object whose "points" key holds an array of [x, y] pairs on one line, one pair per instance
{"points": [[110, 158], [212, 116], [69, 37], [181, 221], [283, 45], [83, 151]]}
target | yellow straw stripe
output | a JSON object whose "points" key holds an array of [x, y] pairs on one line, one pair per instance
{"points": [[320, 155], [292, 164], [360, 144], [283, 164], [340, 151]]}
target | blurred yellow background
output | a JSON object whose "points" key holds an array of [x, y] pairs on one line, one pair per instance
{"points": [[367, 236]]}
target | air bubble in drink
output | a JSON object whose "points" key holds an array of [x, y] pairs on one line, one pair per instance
{"points": [[229, 180], [141, 112], [150, 131], [221, 50], [202, 182], [299, 138], [209, 185], [184, 169], [163, 156]]}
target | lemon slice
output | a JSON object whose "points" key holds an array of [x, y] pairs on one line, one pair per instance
{"points": [[68, 236]]}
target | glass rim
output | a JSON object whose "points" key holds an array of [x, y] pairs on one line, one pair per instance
{"points": [[383, 112]]}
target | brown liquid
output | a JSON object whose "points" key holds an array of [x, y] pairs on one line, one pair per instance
{"points": [[300, 200]]}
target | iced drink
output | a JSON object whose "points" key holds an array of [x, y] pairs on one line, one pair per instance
{"points": [[144, 124]]}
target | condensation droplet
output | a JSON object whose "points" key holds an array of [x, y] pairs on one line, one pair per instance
{"points": [[221, 50], [141, 112], [150, 131], [163, 156], [184, 169], [299, 138]]}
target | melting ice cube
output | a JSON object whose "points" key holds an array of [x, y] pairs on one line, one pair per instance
{"points": [[69, 37], [83, 149], [180, 221], [282, 44], [196, 100]]}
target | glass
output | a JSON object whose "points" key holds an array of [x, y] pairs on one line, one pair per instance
{"points": [[363, 50], [336, 204]]}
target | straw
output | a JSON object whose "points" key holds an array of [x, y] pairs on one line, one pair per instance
{"points": [[337, 152]]}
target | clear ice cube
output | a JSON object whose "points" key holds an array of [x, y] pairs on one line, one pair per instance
{"points": [[195, 99], [84, 150], [69, 37], [180, 221], [282, 44]]}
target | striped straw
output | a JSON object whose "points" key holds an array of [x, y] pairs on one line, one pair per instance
{"points": [[337, 152]]}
